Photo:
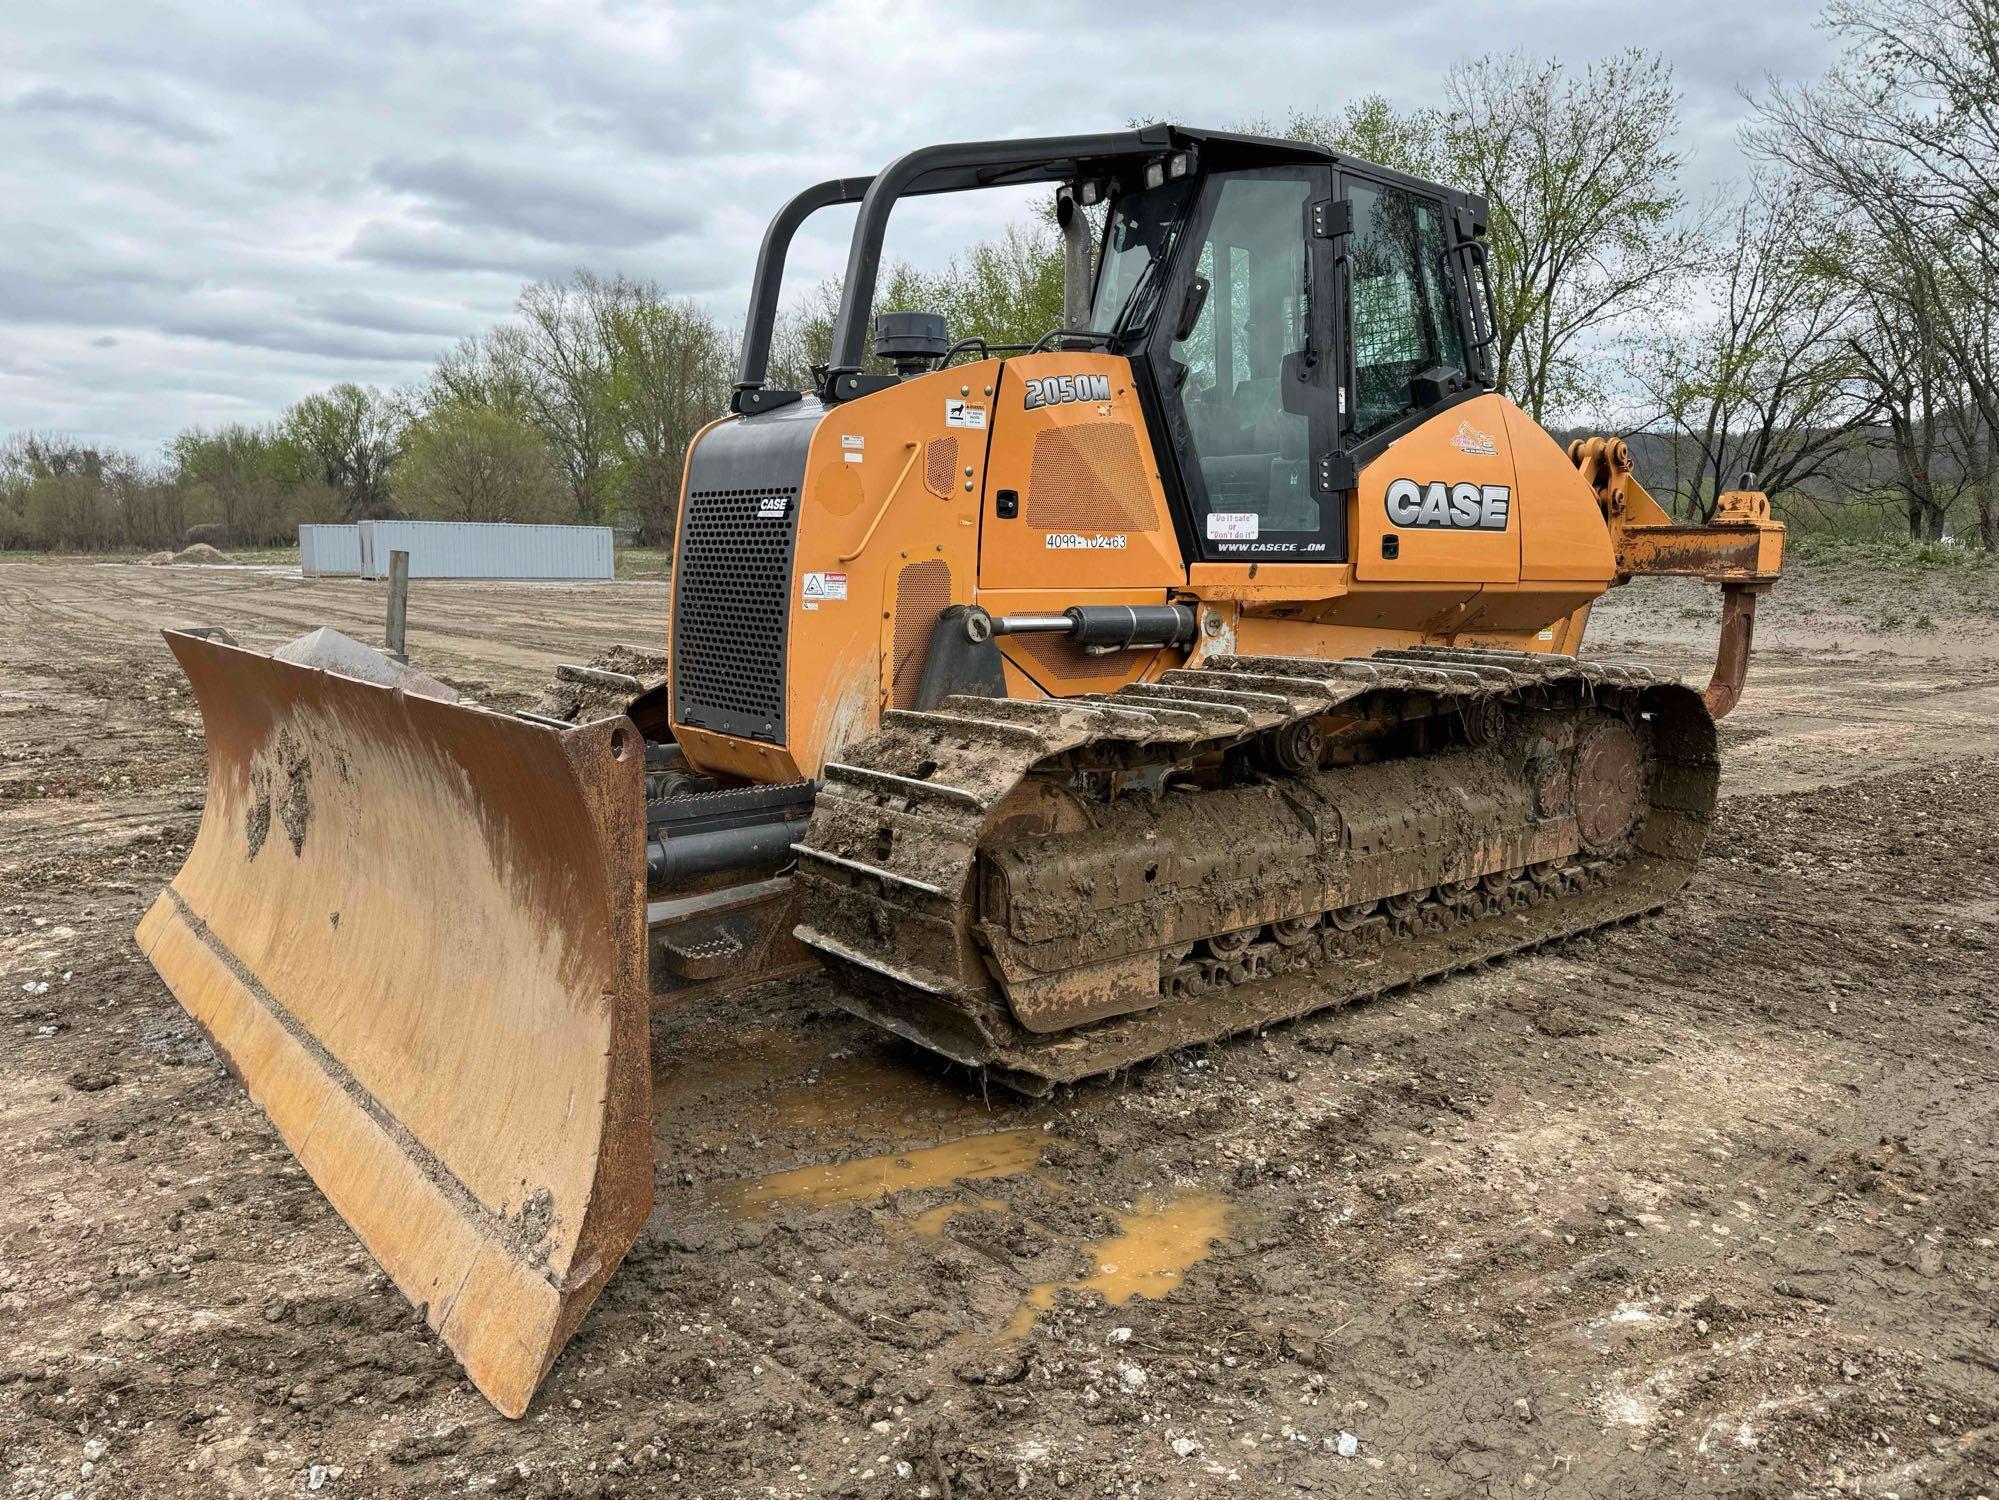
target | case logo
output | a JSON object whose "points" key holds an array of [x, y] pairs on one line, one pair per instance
{"points": [[773, 507], [1059, 390], [1449, 507]]}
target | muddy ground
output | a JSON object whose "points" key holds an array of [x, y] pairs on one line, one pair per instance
{"points": [[1701, 1205]]}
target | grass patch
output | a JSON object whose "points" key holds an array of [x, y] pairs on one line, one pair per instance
{"points": [[645, 562], [1900, 555]]}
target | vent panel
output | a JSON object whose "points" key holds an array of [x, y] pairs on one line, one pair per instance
{"points": [[922, 591], [940, 466], [1058, 657], [1089, 477]]}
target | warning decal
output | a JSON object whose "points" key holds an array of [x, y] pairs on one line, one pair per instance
{"points": [[824, 586]]}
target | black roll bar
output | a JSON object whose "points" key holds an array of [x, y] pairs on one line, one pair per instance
{"points": [[769, 278], [956, 168], [933, 169]]}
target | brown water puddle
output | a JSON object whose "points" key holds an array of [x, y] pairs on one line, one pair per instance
{"points": [[1002, 1153], [1150, 1255], [772, 1083]]}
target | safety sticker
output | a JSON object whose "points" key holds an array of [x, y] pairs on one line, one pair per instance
{"points": [[963, 414], [1471, 441], [852, 445], [820, 587], [1070, 541], [1232, 525]]}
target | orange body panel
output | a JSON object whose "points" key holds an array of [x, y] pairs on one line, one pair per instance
{"points": [[1562, 534], [899, 508], [1466, 445], [1093, 511]]}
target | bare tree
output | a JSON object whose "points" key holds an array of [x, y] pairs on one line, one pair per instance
{"points": [[1901, 138], [1754, 369]]}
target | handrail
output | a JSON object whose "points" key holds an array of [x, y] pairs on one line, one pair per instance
{"points": [[869, 535]]}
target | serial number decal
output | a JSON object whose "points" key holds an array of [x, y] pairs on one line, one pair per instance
{"points": [[1072, 541], [1449, 507], [1059, 390]]}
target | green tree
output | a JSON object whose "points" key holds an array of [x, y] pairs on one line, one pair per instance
{"points": [[238, 475], [347, 437], [462, 461], [1006, 290]]}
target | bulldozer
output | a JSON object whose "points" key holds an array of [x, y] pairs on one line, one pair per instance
{"points": [[1211, 661]]}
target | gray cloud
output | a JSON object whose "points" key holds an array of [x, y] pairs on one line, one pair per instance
{"points": [[565, 211], [105, 108], [215, 209]]}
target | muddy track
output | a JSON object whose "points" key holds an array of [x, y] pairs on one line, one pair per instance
{"points": [[1295, 888], [1702, 1204]]}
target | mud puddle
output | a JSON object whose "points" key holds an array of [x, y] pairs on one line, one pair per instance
{"points": [[789, 1088], [1002, 1153], [1151, 1253]]}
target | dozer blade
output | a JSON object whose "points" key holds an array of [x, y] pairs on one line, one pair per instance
{"points": [[415, 930]]}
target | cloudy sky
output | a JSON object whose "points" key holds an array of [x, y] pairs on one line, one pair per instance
{"points": [[215, 208]]}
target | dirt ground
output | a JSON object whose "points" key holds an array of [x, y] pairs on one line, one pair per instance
{"points": [[1705, 1204]]}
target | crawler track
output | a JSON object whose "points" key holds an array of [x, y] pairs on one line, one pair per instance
{"points": [[1054, 889]]}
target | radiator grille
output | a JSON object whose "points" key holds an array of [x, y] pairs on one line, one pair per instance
{"points": [[731, 604], [1089, 477], [922, 591]]}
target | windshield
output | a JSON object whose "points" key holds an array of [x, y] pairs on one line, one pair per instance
{"points": [[1141, 231]]}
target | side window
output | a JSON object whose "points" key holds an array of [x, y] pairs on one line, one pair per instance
{"points": [[1402, 318], [1250, 435]]}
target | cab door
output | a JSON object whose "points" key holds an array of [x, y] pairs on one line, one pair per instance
{"points": [[1242, 359], [1435, 500]]}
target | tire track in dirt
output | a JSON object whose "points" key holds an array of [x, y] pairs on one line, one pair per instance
{"points": [[1589, 1217]]}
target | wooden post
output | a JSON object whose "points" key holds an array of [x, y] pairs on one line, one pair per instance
{"points": [[399, 603]]}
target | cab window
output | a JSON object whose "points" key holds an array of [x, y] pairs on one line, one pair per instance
{"points": [[1402, 319]]}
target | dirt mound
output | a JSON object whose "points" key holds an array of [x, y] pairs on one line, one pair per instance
{"points": [[577, 702], [157, 559], [200, 553]]}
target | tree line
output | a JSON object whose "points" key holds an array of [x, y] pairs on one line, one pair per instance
{"points": [[1827, 324]]}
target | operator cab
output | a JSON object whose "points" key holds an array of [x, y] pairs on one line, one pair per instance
{"points": [[1289, 320], [1289, 312]]}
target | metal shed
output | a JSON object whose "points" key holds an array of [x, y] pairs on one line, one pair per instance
{"points": [[329, 551], [487, 549]]}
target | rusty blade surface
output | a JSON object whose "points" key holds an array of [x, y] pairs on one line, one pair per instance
{"points": [[416, 931]]}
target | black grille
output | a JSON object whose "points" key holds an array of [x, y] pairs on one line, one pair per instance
{"points": [[731, 601]]}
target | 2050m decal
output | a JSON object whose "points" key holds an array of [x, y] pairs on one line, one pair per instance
{"points": [[1449, 507], [1056, 390]]}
